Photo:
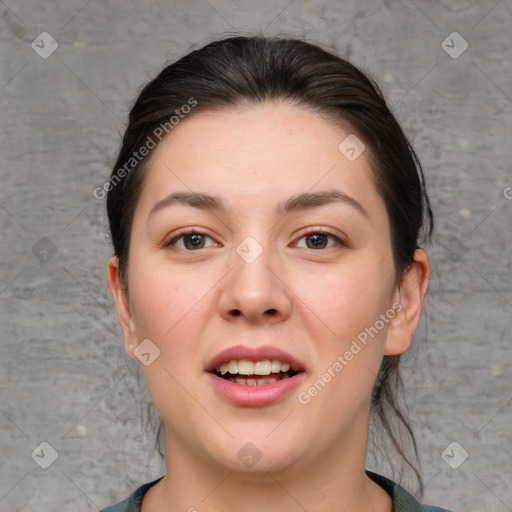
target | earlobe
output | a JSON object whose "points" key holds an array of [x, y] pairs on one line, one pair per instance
{"points": [[122, 302], [409, 294]]}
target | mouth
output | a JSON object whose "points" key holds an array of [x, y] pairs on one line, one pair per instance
{"points": [[255, 377], [254, 373]]}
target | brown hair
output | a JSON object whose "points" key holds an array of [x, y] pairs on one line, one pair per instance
{"points": [[240, 70]]}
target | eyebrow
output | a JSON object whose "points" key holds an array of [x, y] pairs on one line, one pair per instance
{"points": [[300, 202]]}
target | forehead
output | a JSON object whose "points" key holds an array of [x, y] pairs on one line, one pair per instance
{"points": [[257, 153]]}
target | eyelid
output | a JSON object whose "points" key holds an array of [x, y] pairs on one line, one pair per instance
{"points": [[171, 240], [340, 240]]}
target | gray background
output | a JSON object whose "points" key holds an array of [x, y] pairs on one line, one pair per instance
{"points": [[63, 376]]}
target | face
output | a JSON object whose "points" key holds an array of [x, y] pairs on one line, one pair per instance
{"points": [[289, 261]]}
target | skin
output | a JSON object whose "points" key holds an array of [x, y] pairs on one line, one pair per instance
{"points": [[311, 302]]}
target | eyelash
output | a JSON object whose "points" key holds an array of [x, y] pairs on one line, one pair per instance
{"points": [[182, 234]]}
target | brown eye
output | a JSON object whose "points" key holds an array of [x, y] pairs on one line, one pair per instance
{"points": [[189, 241], [320, 240]]}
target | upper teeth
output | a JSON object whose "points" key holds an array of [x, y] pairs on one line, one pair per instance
{"points": [[246, 367]]}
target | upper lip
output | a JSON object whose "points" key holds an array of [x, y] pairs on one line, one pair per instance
{"points": [[254, 354]]}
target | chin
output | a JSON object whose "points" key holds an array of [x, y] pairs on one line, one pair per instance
{"points": [[253, 455]]}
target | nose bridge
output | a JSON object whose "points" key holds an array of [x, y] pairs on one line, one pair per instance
{"points": [[253, 290], [251, 276]]}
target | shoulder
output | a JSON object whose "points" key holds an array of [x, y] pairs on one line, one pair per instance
{"points": [[134, 501], [403, 501]]}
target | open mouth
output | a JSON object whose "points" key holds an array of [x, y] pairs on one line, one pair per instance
{"points": [[256, 380], [249, 373], [255, 377]]}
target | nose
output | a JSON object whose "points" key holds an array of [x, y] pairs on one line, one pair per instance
{"points": [[255, 291]]}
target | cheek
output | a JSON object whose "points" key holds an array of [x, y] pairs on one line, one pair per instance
{"points": [[347, 300], [169, 309], [349, 339], [172, 307], [164, 301]]}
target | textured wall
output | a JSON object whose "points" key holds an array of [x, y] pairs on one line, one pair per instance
{"points": [[64, 379]]}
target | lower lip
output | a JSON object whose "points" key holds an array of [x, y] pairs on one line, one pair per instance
{"points": [[255, 396]]}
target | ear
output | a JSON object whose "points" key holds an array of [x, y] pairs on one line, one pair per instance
{"points": [[122, 301], [408, 298]]}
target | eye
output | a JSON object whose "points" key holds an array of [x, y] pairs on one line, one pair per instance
{"points": [[189, 241], [319, 240], [193, 240]]}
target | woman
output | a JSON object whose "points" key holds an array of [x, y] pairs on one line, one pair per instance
{"points": [[266, 212]]}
